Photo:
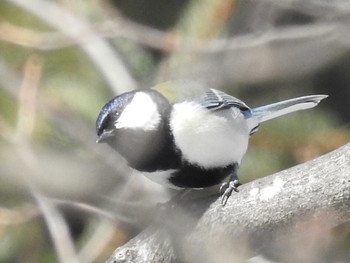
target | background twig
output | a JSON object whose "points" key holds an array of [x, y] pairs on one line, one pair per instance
{"points": [[106, 59]]}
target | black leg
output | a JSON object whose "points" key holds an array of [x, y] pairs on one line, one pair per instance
{"points": [[227, 187]]}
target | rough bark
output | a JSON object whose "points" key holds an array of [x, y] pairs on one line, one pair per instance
{"points": [[265, 213]]}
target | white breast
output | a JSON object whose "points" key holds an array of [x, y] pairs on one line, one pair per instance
{"points": [[209, 138], [161, 177]]}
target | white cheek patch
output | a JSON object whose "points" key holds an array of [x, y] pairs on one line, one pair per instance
{"points": [[209, 138], [140, 113]]}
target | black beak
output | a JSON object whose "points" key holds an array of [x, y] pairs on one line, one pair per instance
{"points": [[104, 136]]}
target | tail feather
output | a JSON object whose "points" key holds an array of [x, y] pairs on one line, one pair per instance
{"points": [[274, 110]]}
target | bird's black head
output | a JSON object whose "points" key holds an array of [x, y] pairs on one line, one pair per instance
{"points": [[136, 125], [109, 114]]}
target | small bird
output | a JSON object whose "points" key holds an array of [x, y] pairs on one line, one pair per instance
{"points": [[184, 136]]}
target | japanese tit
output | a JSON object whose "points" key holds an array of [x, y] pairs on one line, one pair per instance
{"points": [[181, 135]]}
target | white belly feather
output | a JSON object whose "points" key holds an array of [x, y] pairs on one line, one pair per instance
{"points": [[161, 177], [209, 138]]}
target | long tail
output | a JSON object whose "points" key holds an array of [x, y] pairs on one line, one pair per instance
{"points": [[274, 110]]}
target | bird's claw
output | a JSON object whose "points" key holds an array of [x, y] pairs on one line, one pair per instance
{"points": [[226, 190]]}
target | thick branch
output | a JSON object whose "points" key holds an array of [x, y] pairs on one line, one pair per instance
{"points": [[259, 215]]}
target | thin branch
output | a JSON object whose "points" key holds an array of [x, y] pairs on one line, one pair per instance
{"points": [[27, 98], [68, 123], [100, 239], [46, 41], [250, 58], [87, 208], [276, 54], [269, 209], [161, 40], [103, 233], [58, 229], [319, 9], [18, 215], [106, 59], [310, 46]]}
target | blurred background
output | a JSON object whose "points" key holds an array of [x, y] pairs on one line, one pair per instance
{"points": [[61, 194]]}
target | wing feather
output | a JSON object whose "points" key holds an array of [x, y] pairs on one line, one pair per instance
{"points": [[184, 90], [215, 100]]}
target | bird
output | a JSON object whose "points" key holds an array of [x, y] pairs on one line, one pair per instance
{"points": [[184, 135]]}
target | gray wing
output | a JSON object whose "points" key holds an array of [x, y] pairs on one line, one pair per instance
{"points": [[215, 100], [183, 90]]}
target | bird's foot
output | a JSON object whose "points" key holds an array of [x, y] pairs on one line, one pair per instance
{"points": [[226, 190]]}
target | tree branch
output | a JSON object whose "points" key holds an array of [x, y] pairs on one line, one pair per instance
{"points": [[107, 60], [262, 214]]}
